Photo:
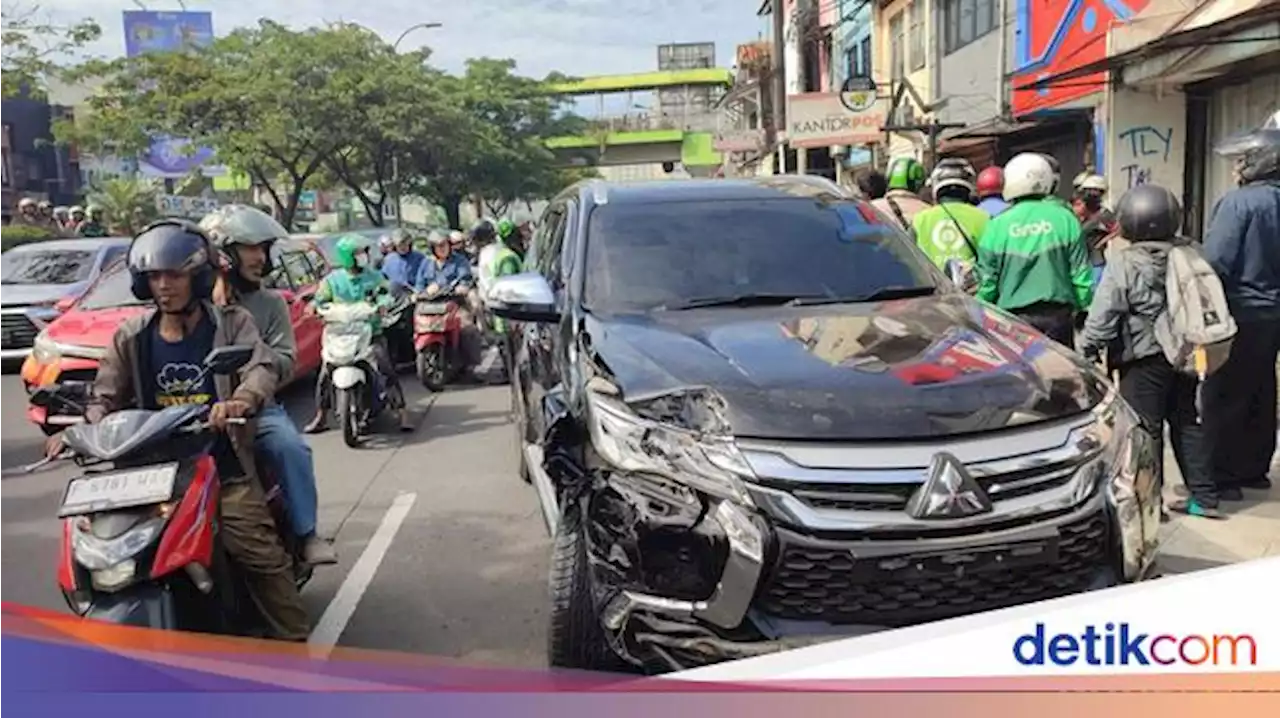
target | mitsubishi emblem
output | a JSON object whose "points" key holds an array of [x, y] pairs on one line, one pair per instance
{"points": [[948, 492]]}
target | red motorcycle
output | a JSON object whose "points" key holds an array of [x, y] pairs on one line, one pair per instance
{"points": [[437, 335], [140, 540]]}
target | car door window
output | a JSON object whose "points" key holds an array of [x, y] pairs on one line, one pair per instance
{"points": [[549, 263]]}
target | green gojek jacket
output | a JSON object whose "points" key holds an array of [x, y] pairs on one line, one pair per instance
{"points": [[505, 263], [344, 287], [1032, 253]]}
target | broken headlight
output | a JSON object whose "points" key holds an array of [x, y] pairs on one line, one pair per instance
{"points": [[710, 463], [1121, 443]]}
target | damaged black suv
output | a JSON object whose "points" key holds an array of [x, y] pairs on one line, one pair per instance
{"points": [[756, 417]]}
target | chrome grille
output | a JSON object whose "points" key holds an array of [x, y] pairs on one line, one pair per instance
{"points": [[18, 331], [812, 580], [866, 486]]}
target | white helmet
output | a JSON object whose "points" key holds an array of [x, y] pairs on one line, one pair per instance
{"points": [[1093, 182], [1027, 175]]}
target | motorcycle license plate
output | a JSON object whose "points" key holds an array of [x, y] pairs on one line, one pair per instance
{"points": [[119, 490], [433, 308]]}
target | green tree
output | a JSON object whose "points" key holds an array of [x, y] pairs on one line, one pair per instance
{"points": [[129, 203], [396, 104], [497, 146], [34, 48], [270, 101]]}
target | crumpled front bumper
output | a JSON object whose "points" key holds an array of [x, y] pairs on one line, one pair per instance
{"points": [[741, 618]]}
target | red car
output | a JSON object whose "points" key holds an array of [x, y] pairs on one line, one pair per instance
{"points": [[70, 347]]}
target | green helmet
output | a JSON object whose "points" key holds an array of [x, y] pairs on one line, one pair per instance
{"points": [[345, 251], [506, 228], [906, 173]]}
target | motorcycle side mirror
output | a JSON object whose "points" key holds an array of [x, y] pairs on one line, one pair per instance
{"points": [[226, 360]]}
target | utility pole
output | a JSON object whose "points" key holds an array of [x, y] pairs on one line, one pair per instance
{"points": [[779, 84]]}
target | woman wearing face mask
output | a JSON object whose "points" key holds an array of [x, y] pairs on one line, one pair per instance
{"points": [[355, 280]]}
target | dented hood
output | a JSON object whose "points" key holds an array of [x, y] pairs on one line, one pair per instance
{"points": [[907, 369]]}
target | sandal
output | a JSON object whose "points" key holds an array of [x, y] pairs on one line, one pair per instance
{"points": [[1190, 507]]}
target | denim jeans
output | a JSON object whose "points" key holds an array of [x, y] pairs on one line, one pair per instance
{"points": [[290, 456]]}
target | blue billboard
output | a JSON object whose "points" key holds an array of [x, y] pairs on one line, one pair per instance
{"points": [[149, 31]]}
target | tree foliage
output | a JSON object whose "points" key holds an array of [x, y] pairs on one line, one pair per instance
{"points": [[300, 109], [127, 203], [34, 48]]}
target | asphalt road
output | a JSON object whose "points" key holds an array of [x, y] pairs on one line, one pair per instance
{"points": [[448, 545]]}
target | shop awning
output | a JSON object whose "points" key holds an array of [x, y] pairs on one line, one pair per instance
{"points": [[1158, 33]]}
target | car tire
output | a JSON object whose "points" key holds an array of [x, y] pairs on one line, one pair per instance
{"points": [[575, 638]]}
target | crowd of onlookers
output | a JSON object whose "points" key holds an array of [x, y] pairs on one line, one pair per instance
{"points": [[1191, 328], [61, 221]]}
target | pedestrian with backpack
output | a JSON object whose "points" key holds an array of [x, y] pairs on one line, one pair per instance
{"points": [[1243, 245], [1140, 318]]}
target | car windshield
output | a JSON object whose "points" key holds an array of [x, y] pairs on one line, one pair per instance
{"points": [[47, 266], [113, 289], [684, 255]]}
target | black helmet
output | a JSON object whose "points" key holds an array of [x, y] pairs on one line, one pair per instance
{"points": [[171, 245], [954, 177], [484, 231], [1256, 153], [1149, 212]]}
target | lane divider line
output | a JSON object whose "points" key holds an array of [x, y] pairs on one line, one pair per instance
{"points": [[339, 611]]}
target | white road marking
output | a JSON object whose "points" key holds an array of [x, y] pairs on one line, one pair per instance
{"points": [[339, 611]]}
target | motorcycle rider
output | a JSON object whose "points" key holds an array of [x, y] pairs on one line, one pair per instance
{"points": [[401, 264], [171, 265], [442, 270], [991, 191], [354, 280], [902, 201], [458, 243], [1030, 258], [1097, 223], [512, 237], [77, 218], [951, 229], [94, 225], [28, 212], [245, 236], [62, 219]]}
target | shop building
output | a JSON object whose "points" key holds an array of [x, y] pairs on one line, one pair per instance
{"points": [[1182, 75]]}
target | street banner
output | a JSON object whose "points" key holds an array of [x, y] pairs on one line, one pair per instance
{"points": [[171, 205], [147, 31]]}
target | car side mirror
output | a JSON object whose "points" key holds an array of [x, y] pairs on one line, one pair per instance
{"points": [[523, 297], [226, 360]]}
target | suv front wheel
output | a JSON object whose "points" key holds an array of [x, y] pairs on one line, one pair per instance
{"points": [[575, 638]]}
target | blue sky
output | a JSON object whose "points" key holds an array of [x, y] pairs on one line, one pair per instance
{"points": [[577, 37]]}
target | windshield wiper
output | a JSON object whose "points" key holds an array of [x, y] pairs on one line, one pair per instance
{"points": [[880, 295], [747, 300]]}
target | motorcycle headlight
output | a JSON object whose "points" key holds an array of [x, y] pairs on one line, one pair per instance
{"points": [[703, 461], [98, 554], [45, 350]]}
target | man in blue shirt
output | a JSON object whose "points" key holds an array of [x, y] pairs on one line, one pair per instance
{"points": [[401, 267], [991, 191]]}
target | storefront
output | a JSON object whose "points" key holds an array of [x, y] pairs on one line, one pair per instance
{"points": [[1182, 79]]}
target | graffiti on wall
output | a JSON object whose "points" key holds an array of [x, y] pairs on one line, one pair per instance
{"points": [[1053, 36], [1140, 149]]}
